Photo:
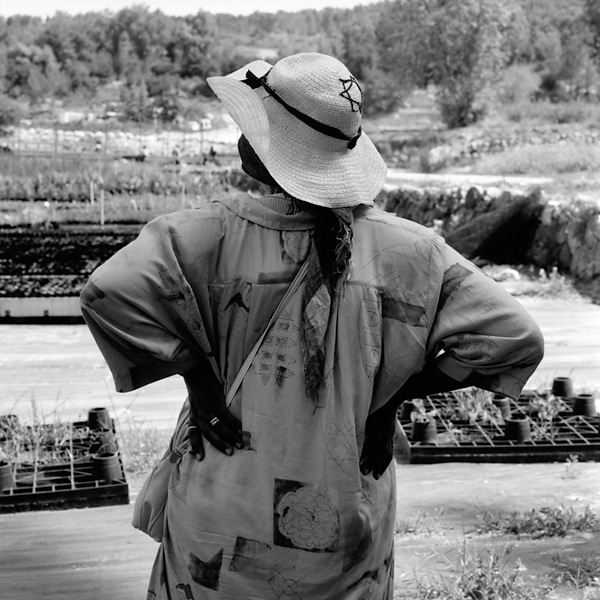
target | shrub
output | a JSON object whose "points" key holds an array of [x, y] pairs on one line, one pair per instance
{"points": [[461, 107], [518, 85], [10, 111], [382, 93]]}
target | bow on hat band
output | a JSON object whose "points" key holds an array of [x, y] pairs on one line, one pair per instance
{"points": [[254, 82]]}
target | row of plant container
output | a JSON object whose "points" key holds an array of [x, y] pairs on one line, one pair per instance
{"points": [[85, 183], [474, 425], [60, 465], [65, 465], [55, 262]]}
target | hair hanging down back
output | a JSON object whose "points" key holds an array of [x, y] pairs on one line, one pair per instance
{"points": [[333, 240], [329, 264]]}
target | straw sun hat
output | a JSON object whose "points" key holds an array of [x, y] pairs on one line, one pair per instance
{"points": [[302, 117]]}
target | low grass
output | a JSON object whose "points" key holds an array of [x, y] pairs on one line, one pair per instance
{"points": [[542, 160], [493, 574], [546, 112], [140, 444], [422, 524], [581, 571], [542, 522], [526, 280], [477, 574], [572, 467]]}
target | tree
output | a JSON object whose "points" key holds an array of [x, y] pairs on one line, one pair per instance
{"points": [[592, 16], [32, 71], [360, 46], [167, 106], [125, 58], [10, 111], [58, 35], [136, 104], [461, 46], [3, 68], [381, 92], [195, 41]]}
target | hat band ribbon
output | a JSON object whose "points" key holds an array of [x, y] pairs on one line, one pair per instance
{"points": [[255, 82]]}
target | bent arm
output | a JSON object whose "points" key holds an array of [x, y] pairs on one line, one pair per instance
{"points": [[142, 312], [481, 336]]}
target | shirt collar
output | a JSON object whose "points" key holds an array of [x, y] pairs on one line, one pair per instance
{"points": [[269, 211]]}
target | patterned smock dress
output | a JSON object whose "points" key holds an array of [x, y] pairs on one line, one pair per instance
{"points": [[291, 516]]}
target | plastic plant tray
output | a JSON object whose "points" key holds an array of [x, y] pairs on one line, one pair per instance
{"points": [[58, 481], [468, 440]]}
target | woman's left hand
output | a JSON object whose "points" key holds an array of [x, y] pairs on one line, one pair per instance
{"points": [[210, 418]]}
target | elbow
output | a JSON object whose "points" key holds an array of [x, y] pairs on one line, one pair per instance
{"points": [[535, 341], [90, 294]]}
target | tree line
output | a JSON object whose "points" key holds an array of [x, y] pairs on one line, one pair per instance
{"points": [[461, 47]]}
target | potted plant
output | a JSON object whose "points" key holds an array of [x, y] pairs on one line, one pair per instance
{"points": [[424, 425]]}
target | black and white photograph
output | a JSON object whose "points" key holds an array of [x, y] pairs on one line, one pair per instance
{"points": [[300, 300]]}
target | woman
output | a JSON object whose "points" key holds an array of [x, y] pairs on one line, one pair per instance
{"points": [[305, 507]]}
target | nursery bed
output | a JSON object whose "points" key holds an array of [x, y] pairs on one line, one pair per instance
{"points": [[73, 466], [566, 435]]}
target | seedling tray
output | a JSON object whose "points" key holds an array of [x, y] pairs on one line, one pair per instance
{"points": [[64, 477], [57, 487], [565, 436]]}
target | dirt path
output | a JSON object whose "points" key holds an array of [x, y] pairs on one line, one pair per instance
{"points": [[95, 554], [397, 177]]}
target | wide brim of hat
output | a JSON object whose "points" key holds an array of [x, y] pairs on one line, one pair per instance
{"points": [[307, 164]]}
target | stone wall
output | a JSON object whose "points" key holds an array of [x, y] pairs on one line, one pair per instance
{"points": [[507, 227], [569, 237]]}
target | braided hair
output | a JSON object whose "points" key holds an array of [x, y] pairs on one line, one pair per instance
{"points": [[330, 260]]}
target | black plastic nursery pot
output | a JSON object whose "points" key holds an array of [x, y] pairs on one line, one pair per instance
{"points": [[82, 471]]}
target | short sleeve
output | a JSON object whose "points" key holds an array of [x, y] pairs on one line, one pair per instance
{"points": [[142, 312], [481, 330]]}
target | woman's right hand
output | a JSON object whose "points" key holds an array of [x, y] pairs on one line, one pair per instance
{"points": [[378, 447]]}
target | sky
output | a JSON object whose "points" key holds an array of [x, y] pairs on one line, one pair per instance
{"points": [[46, 8]]}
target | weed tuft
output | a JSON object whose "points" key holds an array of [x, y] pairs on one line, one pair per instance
{"points": [[542, 522], [527, 281], [477, 575], [423, 524], [141, 445], [579, 571], [572, 467]]}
